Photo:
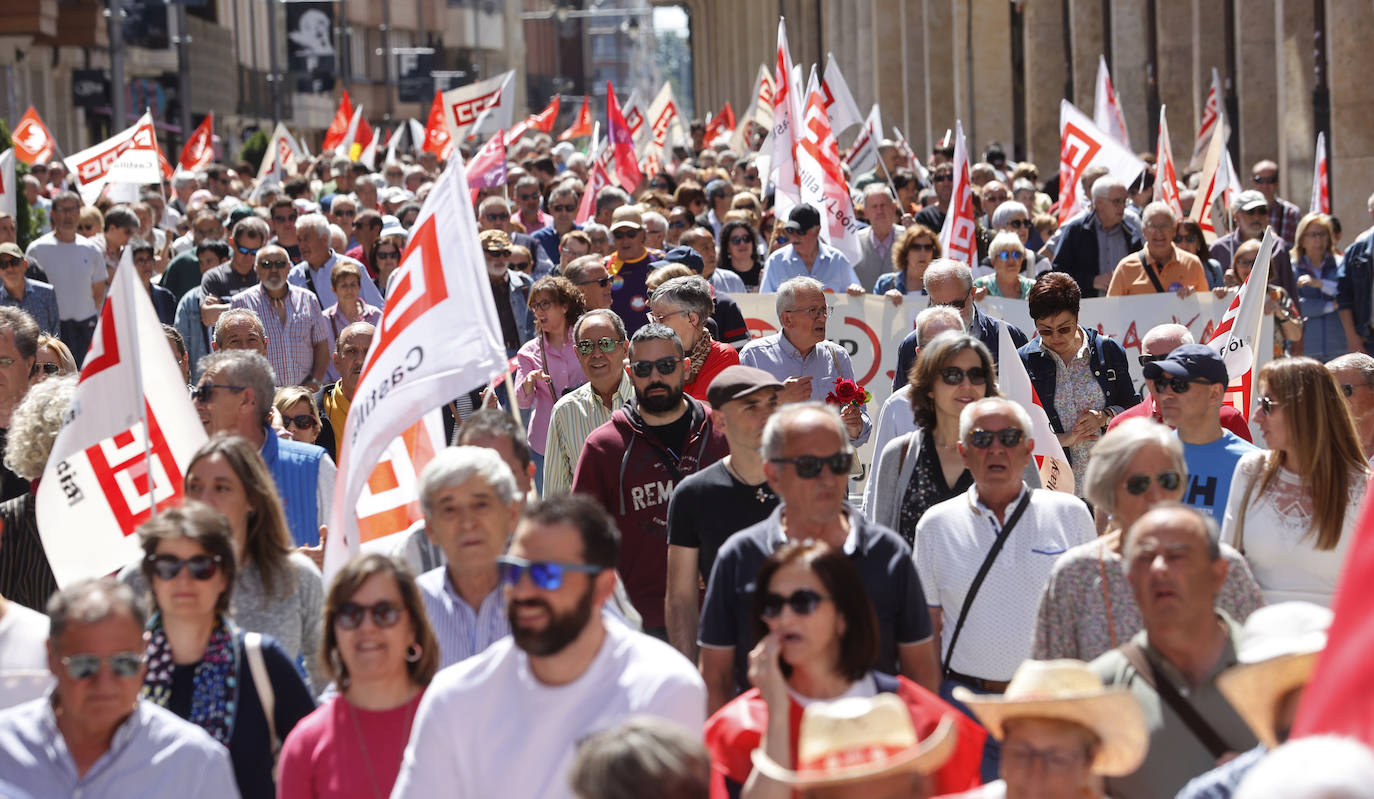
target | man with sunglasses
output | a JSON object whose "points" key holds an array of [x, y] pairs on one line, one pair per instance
{"points": [[588, 273], [1250, 211], [282, 220], [226, 280], [630, 264], [563, 201], [1354, 372], [805, 255], [317, 263], [509, 291], [942, 179], [93, 734], [17, 290], [76, 268], [494, 213], [184, 272], [296, 332], [602, 346], [1283, 215]]}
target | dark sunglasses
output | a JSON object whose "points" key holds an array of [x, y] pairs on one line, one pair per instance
{"points": [[545, 574], [497, 253], [350, 615], [282, 264], [625, 233], [803, 602], [389, 255], [923, 247], [345, 212], [1263, 180], [953, 375], [1145, 359], [10, 262], [958, 305], [736, 240], [1009, 436], [809, 466], [122, 664], [1017, 224], [497, 217], [605, 344], [1185, 238], [1179, 385], [303, 421], [603, 282], [942, 178], [665, 366], [1267, 404], [204, 391], [1138, 484], [282, 220], [167, 567], [676, 225], [52, 369], [562, 209]]}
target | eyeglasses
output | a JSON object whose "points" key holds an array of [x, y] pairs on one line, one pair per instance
{"points": [[665, 366], [350, 615], [1266, 405], [563, 209], [606, 344], [1185, 238], [84, 666], [1017, 224], [1009, 436], [1148, 359], [388, 255], [815, 311], [497, 253], [738, 240], [301, 421], [780, 240], [923, 247], [518, 265], [204, 391], [603, 282], [1265, 180], [802, 601], [11, 262], [275, 264], [545, 574], [809, 466], [959, 304], [1010, 255], [1055, 760], [247, 250], [677, 225], [942, 178], [52, 369], [953, 375], [660, 317], [624, 233], [167, 567], [1138, 484], [1179, 385], [496, 217]]}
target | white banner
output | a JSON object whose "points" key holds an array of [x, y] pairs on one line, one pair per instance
{"points": [[786, 133], [130, 156], [466, 105], [863, 154], [9, 187], [665, 128]]}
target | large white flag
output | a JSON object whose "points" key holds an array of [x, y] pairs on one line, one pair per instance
{"points": [[1015, 384], [863, 154], [1211, 115], [390, 499], [127, 439], [1106, 109], [282, 153], [1083, 144], [759, 112], [664, 128], [1218, 183], [634, 113], [439, 337], [786, 120], [8, 189], [958, 236], [130, 156], [1166, 176], [839, 101], [466, 106], [822, 180], [1239, 334]]}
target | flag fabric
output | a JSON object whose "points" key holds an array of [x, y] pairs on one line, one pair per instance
{"points": [[1211, 115], [635, 114], [282, 152], [621, 144], [665, 127], [721, 127], [905, 147], [1083, 144], [1166, 177], [544, 120], [786, 119], [597, 179], [338, 127], [488, 166], [822, 179], [759, 112], [1218, 182], [367, 154], [839, 101], [466, 105], [31, 140], [394, 141], [582, 125], [439, 337], [1014, 383], [863, 154], [353, 142], [130, 156], [958, 236], [1321, 180], [1237, 338], [389, 502], [9, 187], [126, 441], [199, 149], [1106, 109], [437, 139]]}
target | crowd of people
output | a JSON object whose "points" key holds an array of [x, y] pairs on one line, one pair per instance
{"points": [[644, 564]]}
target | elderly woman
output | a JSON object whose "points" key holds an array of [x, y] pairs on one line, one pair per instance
{"points": [[912, 253], [572, 246], [1314, 263], [684, 304], [1088, 607], [1008, 255], [1082, 378], [546, 366], [381, 653], [53, 359], [347, 281], [242, 689], [36, 297]]}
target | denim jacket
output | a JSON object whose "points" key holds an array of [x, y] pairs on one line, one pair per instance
{"points": [[1106, 358]]}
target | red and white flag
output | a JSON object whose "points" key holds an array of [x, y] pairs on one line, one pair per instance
{"points": [[1083, 144], [597, 179], [130, 156], [390, 500], [437, 140], [282, 153], [665, 128], [481, 108], [863, 154], [621, 144], [822, 180], [786, 133], [635, 116], [1218, 182], [338, 126], [199, 149], [759, 112], [1238, 336], [1166, 177], [488, 166], [839, 101], [1106, 110], [31, 139], [1321, 180], [1211, 116], [1015, 384], [721, 127], [439, 337], [129, 434], [958, 236], [582, 125]]}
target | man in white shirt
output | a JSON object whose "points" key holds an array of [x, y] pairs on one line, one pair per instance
{"points": [[564, 673], [76, 269]]}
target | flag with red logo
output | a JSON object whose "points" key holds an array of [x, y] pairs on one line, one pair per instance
{"points": [[390, 499], [759, 112], [1211, 115], [1083, 144], [582, 125], [1166, 177], [9, 190], [199, 149], [839, 101], [484, 106], [665, 128], [635, 116], [487, 169], [1106, 109], [125, 443], [437, 140], [282, 153], [621, 142], [1238, 337], [721, 127], [130, 156], [338, 126], [1014, 383], [597, 179], [544, 120], [786, 120], [822, 180], [958, 236], [1321, 180], [438, 337], [863, 153], [32, 142], [1218, 182]]}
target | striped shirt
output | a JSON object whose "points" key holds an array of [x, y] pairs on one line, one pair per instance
{"points": [[574, 418], [461, 631], [290, 344]]}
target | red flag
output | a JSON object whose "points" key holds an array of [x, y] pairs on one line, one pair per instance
{"points": [[582, 126], [436, 130], [597, 181], [722, 124], [31, 139], [1237, 338], [543, 121], [622, 142], [199, 149], [338, 128]]}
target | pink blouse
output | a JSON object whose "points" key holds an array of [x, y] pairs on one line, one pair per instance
{"points": [[566, 373]]}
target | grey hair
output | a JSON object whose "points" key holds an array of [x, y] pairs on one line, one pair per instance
{"points": [[616, 322], [91, 601], [1158, 207], [344, 198], [691, 294], [774, 432], [233, 315], [596, 227], [1105, 184], [1006, 240], [611, 197], [656, 217], [250, 224], [932, 314], [183, 178], [1346, 772], [973, 409], [562, 190], [1006, 211], [787, 292], [1167, 330], [315, 224], [877, 188], [656, 332], [35, 424], [942, 268], [1113, 454], [493, 201], [617, 763], [1354, 360], [1210, 531], [453, 466], [248, 369], [23, 329]]}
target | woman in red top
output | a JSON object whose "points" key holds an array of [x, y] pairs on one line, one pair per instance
{"points": [[817, 637], [684, 304]]}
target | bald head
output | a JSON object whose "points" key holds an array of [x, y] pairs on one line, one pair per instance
{"points": [[1164, 339]]}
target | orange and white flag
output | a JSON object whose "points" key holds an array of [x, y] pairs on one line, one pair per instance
{"points": [[390, 499], [32, 142], [582, 124], [437, 140], [958, 236]]}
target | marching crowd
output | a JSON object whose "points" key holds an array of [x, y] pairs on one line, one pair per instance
{"points": [[641, 569]]}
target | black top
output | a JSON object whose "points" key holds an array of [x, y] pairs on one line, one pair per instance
{"points": [[11, 484], [671, 436], [510, 330], [926, 489], [25, 576], [223, 282], [711, 505]]}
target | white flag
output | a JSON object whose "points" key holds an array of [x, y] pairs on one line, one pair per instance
{"points": [[8, 187], [130, 156], [1321, 191], [786, 119], [958, 236], [127, 439], [759, 112], [351, 135], [664, 127], [1211, 115], [1166, 177], [1238, 335], [822, 181], [1015, 384], [634, 113], [282, 153], [863, 154], [390, 499], [839, 102], [1106, 110], [439, 337], [466, 105], [1217, 184], [1081, 145]]}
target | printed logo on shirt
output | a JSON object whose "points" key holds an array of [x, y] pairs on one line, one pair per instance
{"points": [[651, 494]]}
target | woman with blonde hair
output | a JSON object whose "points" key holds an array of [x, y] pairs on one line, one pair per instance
{"points": [[52, 359], [1314, 264], [912, 253], [1293, 508], [300, 418], [1008, 279]]}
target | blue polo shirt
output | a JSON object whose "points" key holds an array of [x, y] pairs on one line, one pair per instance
{"points": [[831, 268]]}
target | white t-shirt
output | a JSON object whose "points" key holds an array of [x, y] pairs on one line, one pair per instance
{"points": [[72, 269], [24, 671], [487, 727]]}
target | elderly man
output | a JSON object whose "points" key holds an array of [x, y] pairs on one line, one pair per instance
{"points": [[562, 218], [1091, 245], [630, 264], [1156, 345], [239, 329], [632, 463], [1283, 215], [510, 291], [949, 282], [602, 348], [562, 674], [317, 263], [1159, 266], [607, 201], [876, 240], [234, 396], [800, 356], [364, 232], [806, 256], [494, 214], [1355, 373], [76, 268], [1174, 564], [240, 274], [1251, 214], [528, 197], [1355, 289], [337, 397], [94, 735], [807, 457], [965, 551], [293, 323]]}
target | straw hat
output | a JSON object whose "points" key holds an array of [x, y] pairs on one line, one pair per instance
{"points": [[1069, 691], [1277, 651], [860, 739]]}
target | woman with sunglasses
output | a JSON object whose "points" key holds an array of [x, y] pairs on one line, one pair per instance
{"points": [[739, 253], [1188, 237], [921, 469], [547, 366], [347, 282], [914, 251], [381, 653], [1082, 378], [52, 359], [1008, 257], [684, 304], [1314, 264], [1088, 607], [1293, 508], [201, 666], [818, 636], [299, 417], [385, 258]]}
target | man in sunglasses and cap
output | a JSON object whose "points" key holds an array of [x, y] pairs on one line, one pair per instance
{"points": [[630, 263], [806, 255], [510, 291]]}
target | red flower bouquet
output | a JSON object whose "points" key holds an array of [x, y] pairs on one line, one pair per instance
{"points": [[848, 393]]}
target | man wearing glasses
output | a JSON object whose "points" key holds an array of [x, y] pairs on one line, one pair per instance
{"points": [[588, 273], [1250, 211], [807, 256], [1283, 215], [293, 324], [601, 344], [562, 218], [283, 223], [227, 280], [112, 742], [630, 264], [807, 458], [1354, 372], [494, 214], [1159, 266]]}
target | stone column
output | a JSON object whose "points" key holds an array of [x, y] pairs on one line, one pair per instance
{"points": [[1085, 21], [1129, 70], [1289, 126], [1177, 88], [1046, 72], [1352, 112]]}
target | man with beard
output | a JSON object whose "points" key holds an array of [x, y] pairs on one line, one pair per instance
{"points": [[632, 463], [563, 674], [293, 323]]}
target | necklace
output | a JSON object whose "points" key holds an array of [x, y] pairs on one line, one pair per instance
{"points": [[362, 742], [762, 492]]}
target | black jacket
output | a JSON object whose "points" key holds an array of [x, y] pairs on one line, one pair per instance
{"points": [[1078, 250], [982, 327], [1106, 358]]}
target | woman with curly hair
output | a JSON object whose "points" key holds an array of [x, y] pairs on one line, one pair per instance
{"points": [[547, 365], [914, 251]]}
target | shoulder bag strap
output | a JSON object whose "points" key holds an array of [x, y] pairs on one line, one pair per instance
{"points": [[1196, 724], [982, 575], [1150, 272], [257, 665], [310, 281]]}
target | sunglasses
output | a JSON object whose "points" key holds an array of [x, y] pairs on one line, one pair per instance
{"points": [[958, 305], [546, 575], [942, 178], [167, 567], [738, 240], [562, 209], [1185, 238], [1017, 224], [1138, 484], [388, 255], [625, 233], [665, 366], [496, 217], [10, 262], [350, 615], [802, 601], [122, 664], [497, 253], [526, 197], [809, 466], [1263, 180], [345, 213], [677, 225], [603, 282], [780, 240], [303, 421], [1179, 385], [606, 344], [280, 264], [204, 391], [921, 247], [1147, 359], [52, 369], [953, 375], [1010, 255], [1267, 405], [247, 250], [1009, 436]]}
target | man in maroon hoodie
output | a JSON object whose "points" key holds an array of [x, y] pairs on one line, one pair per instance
{"points": [[632, 463]]}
